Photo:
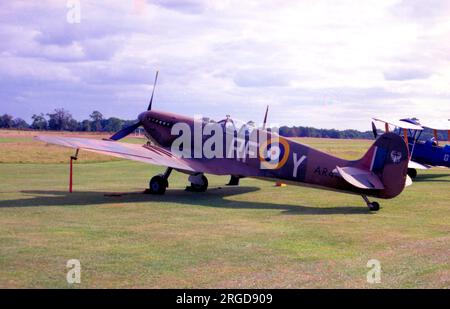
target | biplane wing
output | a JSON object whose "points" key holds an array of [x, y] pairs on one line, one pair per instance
{"points": [[408, 181], [399, 123], [436, 125], [417, 166], [142, 153]]}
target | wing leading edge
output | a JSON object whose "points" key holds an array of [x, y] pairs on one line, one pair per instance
{"points": [[141, 153]]}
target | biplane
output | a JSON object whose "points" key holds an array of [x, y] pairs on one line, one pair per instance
{"points": [[424, 153], [251, 151]]}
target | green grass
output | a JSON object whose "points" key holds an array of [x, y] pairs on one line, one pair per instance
{"points": [[23, 149], [343, 148], [254, 235], [15, 139]]}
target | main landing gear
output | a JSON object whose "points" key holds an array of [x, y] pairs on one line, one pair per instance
{"points": [[373, 206], [199, 183], [159, 183], [234, 181]]}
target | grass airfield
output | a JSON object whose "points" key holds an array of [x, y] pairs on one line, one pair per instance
{"points": [[252, 236]]}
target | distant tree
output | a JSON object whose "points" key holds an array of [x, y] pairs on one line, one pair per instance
{"points": [[127, 123], [19, 123], [85, 126], [428, 134], [6, 121], [328, 133], [72, 125], [96, 118], [350, 134], [113, 124], [39, 122], [284, 131], [333, 133], [60, 120]]}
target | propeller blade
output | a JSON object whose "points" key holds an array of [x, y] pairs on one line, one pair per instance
{"points": [[125, 131], [374, 130], [153, 92], [265, 118]]}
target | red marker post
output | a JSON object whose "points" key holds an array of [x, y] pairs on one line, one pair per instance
{"points": [[72, 158]]}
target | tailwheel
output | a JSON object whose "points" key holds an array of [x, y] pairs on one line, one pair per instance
{"points": [[158, 185], [199, 183], [373, 206], [412, 172]]}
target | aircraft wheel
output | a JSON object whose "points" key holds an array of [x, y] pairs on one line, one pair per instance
{"points": [[412, 172], [234, 181], [200, 188], [158, 185], [374, 206]]}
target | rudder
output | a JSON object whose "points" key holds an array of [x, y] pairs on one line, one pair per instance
{"points": [[388, 159]]}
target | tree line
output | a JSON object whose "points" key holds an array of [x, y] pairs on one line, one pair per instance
{"points": [[426, 134], [62, 120], [325, 133]]}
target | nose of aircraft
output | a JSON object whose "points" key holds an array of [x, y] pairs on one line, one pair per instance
{"points": [[142, 116]]}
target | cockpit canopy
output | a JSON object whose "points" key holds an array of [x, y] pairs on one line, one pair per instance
{"points": [[233, 124]]}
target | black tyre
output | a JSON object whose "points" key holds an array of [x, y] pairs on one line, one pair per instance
{"points": [[234, 181], [200, 188], [412, 172], [374, 206], [158, 185]]}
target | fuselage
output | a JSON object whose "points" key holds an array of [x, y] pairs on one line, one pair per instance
{"points": [[296, 163], [428, 152]]}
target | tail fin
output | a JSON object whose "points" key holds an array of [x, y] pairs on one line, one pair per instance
{"points": [[388, 159]]}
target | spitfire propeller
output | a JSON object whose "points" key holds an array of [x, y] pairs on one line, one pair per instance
{"points": [[125, 131], [130, 129], [153, 92], [374, 130]]}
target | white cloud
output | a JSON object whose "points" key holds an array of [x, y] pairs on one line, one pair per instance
{"points": [[321, 63]]}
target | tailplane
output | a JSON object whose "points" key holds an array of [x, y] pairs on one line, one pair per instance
{"points": [[388, 159], [383, 167]]}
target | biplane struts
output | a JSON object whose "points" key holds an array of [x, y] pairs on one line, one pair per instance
{"points": [[423, 153]]}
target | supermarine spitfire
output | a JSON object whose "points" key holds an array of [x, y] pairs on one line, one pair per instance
{"points": [[224, 148]]}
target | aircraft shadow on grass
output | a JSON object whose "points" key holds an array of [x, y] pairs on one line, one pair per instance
{"points": [[431, 178], [214, 198]]}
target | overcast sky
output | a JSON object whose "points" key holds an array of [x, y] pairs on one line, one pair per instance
{"points": [[328, 64]]}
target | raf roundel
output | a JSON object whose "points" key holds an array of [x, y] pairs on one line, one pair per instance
{"points": [[274, 153]]}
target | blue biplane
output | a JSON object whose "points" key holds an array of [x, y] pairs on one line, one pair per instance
{"points": [[423, 153]]}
